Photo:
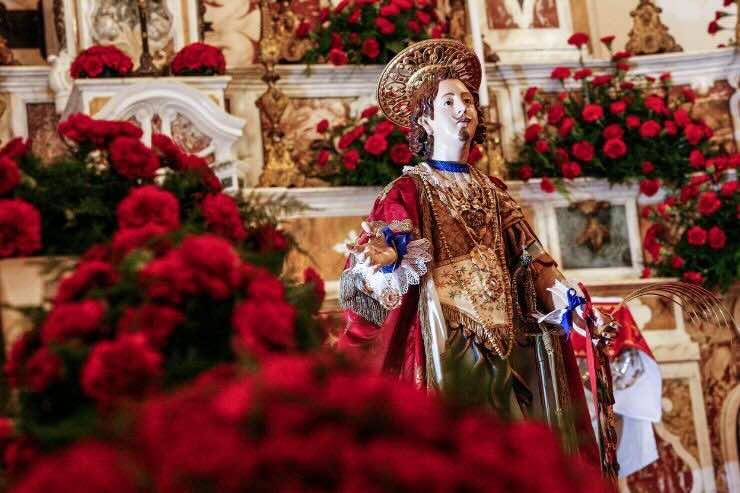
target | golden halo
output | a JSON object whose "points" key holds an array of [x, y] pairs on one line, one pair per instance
{"points": [[417, 64]]}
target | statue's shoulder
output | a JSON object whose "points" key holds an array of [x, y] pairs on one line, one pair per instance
{"points": [[404, 184]]}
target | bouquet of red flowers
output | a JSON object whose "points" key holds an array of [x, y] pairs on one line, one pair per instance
{"points": [[306, 423], [370, 31], [612, 126], [199, 59], [714, 26], [101, 61], [368, 151], [694, 235]]}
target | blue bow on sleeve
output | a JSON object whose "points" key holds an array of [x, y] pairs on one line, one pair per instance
{"points": [[574, 301], [400, 242]]}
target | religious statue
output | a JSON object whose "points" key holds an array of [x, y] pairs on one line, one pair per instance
{"points": [[448, 272]]}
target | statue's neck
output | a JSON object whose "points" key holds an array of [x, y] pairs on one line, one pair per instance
{"points": [[455, 152]]}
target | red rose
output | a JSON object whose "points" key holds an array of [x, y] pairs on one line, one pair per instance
{"points": [[677, 262], [555, 114], [261, 284], [541, 146], [670, 127], [583, 150], [149, 205], [371, 48], [696, 236], [633, 121], [390, 10], [649, 187], [385, 26], [651, 243], [10, 175], [322, 126], [20, 228], [150, 236], [728, 189], [338, 57], [530, 94], [16, 148], [88, 275], [655, 103], [696, 158], [615, 148], [526, 172], [601, 80], [376, 144], [310, 276], [42, 369], [570, 170], [351, 158], [532, 132], [546, 185], [323, 157], [708, 203], [648, 167], [578, 39], [681, 118], [717, 238], [355, 17], [566, 127], [347, 139], [693, 277], [413, 26], [369, 112], [582, 73], [618, 107], [607, 40], [132, 159], [156, 322], [336, 41], [265, 327], [561, 155], [213, 265], [613, 131], [123, 368], [423, 17], [650, 129], [72, 320], [694, 133], [624, 67], [222, 217], [560, 73], [384, 128], [401, 154], [534, 109]]}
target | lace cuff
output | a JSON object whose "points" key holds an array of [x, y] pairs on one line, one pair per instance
{"points": [[388, 287]]}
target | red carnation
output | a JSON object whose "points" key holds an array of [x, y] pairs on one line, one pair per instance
{"points": [[688, 94], [384, 128], [265, 326], [401, 154], [149, 205], [650, 129], [717, 238], [615, 148], [601, 80], [16, 148], [648, 167], [369, 112], [570, 170], [42, 369], [371, 48], [728, 189], [696, 236], [99, 61], [376, 144], [582, 73], [677, 262], [200, 59], [413, 26], [423, 17], [583, 150], [713, 27], [338, 57], [322, 126], [693, 277], [670, 128], [222, 217], [532, 132], [618, 107], [592, 113], [123, 368], [323, 157], [607, 40], [88, 275], [651, 243], [566, 127], [546, 185], [613, 131], [708, 203], [655, 103], [351, 158], [212, 264], [555, 114], [649, 187], [348, 138], [303, 29], [621, 55], [132, 159], [560, 73], [534, 109], [150, 236], [156, 322], [632, 121], [384, 26], [310, 276], [561, 155], [530, 94], [10, 175], [578, 39], [390, 10], [72, 320], [20, 228], [526, 172], [646, 273], [541, 146], [696, 158], [694, 133]]}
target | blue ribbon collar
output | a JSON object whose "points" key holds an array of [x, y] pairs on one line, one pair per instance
{"points": [[574, 301], [451, 166]]}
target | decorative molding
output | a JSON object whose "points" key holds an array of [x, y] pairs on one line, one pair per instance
{"points": [[24, 84]]}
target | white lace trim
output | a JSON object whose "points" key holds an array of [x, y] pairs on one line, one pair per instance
{"points": [[409, 273]]}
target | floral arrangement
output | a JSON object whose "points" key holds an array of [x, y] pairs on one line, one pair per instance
{"points": [[714, 26], [369, 31], [694, 235], [308, 423], [101, 61], [199, 59], [367, 151], [612, 126]]}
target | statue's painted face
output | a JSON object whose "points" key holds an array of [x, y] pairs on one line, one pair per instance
{"points": [[455, 118]]}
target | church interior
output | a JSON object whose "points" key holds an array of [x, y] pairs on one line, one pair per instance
{"points": [[182, 181]]}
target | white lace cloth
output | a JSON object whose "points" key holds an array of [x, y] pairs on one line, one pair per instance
{"points": [[409, 273]]}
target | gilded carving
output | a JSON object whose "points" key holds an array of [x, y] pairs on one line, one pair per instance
{"points": [[594, 234], [649, 35]]}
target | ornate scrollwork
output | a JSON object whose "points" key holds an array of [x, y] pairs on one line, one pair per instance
{"points": [[649, 35], [594, 234]]}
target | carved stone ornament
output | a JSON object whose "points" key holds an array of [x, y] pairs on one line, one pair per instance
{"points": [[6, 54], [595, 234], [649, 35]]}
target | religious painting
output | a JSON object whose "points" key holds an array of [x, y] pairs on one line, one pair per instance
{"points": [[522, 14]]}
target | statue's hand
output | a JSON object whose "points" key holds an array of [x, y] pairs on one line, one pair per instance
{"points": [[608, 328], [377, 251]]}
